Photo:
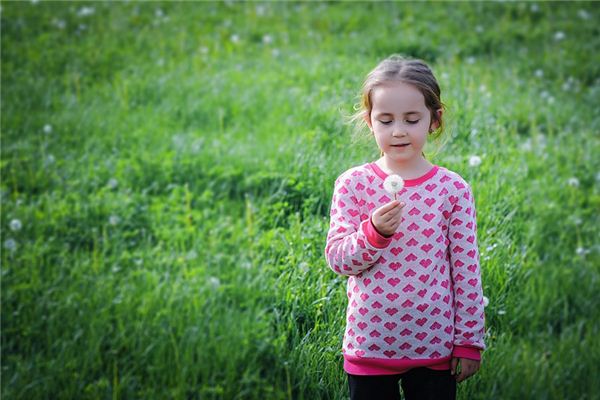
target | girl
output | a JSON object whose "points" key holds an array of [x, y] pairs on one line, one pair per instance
{"points": [[415, 302]]}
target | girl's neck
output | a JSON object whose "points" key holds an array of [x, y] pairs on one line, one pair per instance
{"points": [[408, 170]]}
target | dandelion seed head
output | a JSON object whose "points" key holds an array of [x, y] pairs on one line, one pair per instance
{"points": [[214, 282], [47, 128], [393, 184], [267, 39], [558, 36], [573, 181], [486, 301], [86, 11], [15, 225], [112, 183], [10, 244], [114, 220], [474, 161], [583, 14]]}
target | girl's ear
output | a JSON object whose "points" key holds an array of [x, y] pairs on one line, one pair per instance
{"points": [[367, 119], [436, 124]]}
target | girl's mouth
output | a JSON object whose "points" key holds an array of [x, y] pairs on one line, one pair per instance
{"points": [[401, 145]]}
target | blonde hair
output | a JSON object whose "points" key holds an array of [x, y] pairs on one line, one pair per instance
{"points": [[397, 68]]}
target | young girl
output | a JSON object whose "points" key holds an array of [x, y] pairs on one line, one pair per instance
{"points": [[415, 302]]}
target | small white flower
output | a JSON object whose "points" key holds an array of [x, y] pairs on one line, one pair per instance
{"points": [[534, 8], [393, 184], [479, 29], [204, 50], [581, 251], [158, 13], [501, 312], [526, 146], [470, 60], [560, 35], [474, 132], [598, 177], [474, 161], [112, 183], [191, 255], [275, 52], [15, 225], [539, 73], [47, 128], [49, 160], [486, 301], [267, 39], [214, 282], [235, 38], [35, 1], [574, 182], [85, 11], [10, 244], [114, 220]]}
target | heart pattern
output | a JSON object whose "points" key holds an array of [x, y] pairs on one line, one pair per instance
{"points": [[418, 293]]}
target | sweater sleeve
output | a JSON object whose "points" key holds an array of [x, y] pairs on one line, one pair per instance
{"points": [[352, 246], [469, 316]]}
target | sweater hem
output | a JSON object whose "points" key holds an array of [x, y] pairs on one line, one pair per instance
{"points": [[380, 366]]}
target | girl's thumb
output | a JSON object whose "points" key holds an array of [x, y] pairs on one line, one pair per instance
{"points": [[453, 364]]}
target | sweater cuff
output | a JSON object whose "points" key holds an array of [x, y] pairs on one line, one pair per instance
{"points": [[472, 353], [374, 238]]}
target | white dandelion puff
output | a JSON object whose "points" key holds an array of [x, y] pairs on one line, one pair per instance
{"points": [[501, 312], [479, 29], [534, 8], [10, 244], [114, 220], [583, 14], [558, 36], [214, 282], [15, 225], [267, 39], [486, 301], [235, 38], [539, 73], [275, 52], [158, 13], [393, 184], [574, 182], [581, 251], [471, 60], [112, 183], [474, 161], [191, 255], [204, 50], [86, 11], [47, 128]]}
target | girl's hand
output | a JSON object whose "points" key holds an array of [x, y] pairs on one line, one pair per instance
{"points": [[468, 367], [387, 217]]}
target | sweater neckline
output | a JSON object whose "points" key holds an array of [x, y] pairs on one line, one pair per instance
{"points": [[407, 182]]}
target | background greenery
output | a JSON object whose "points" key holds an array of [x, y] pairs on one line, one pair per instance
{"points": [[167, 170]]}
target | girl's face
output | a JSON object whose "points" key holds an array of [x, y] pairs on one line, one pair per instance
{"points": [[400, 121]]}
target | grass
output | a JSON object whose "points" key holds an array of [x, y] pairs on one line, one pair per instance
{"points": [[169, 167]]}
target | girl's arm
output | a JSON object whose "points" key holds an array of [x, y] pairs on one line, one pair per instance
{"points": [[469, 315], [352, 245]]}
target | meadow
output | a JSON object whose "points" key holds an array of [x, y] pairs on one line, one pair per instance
{"points": [[167, 171]]}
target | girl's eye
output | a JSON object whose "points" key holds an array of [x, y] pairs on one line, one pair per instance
{"points": [[385, 122], [413, 122], [410, 122]]}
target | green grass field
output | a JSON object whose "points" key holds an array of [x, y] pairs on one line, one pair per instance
{"points": [[167, 170]]}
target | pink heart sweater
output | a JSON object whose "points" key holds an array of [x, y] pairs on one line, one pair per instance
{"points": [[414, 299]]}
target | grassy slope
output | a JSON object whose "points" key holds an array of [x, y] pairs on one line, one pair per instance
{"points": [[210, 282]]}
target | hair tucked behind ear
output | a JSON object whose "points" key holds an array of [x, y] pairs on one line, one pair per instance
{"points": [[397, 68]]}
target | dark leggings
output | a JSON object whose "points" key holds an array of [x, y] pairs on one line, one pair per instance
{"points": [[418, 383]]}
